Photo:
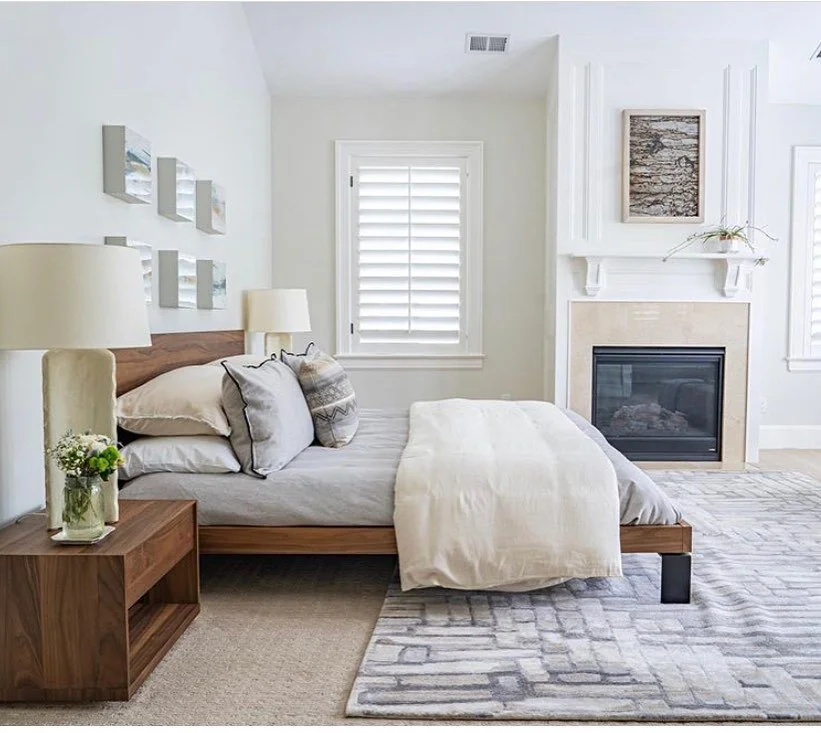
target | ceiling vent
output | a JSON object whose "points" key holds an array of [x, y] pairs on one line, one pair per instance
{"points": [[491, 43]]}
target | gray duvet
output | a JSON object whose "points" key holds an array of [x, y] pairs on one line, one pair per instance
{"points": [[353, 486]]}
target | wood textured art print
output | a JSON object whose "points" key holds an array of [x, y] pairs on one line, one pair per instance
{"points": [[663, 176]]}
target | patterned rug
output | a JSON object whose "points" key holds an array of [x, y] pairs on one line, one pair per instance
{"points": [[748, 647]]}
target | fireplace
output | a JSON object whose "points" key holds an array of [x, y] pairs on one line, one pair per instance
{"points": [[660, 404]]}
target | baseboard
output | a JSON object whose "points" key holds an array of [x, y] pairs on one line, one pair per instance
{"points": [[806, 437]]}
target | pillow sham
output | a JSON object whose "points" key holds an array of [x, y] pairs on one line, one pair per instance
{"points": [[270, 422], [184, 401], [329, 393], [178, 454]]}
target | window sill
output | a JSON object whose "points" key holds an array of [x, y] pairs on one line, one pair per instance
{"points": [[804, 363], [411, 361]]}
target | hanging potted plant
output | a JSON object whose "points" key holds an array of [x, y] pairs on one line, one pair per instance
{"points": [[87, 460], [731, 240]]}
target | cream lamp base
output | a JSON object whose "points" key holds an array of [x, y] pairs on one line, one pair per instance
{"points": [[79, 394], [276, 341]]}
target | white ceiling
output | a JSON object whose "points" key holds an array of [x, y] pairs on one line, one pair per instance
{"points": [[369, 48]]}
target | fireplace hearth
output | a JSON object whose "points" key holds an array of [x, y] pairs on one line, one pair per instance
{"points": [[660, 403]]}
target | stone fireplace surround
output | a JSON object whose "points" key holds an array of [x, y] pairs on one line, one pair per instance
{"points": [[649, 323]]}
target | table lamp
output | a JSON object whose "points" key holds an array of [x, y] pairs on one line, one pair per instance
{"points": [[278, 313], [79, 300]]}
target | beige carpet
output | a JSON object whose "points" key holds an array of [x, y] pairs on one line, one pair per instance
{"points": [[278, 641]]}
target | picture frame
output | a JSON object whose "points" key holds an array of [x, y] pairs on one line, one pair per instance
{"points": [[663, 154]]}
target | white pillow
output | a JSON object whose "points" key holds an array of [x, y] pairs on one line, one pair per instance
{"points": [[184, 401], [179, 454]]}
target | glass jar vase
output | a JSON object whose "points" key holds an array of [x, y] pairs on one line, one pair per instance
{"points": [[83, 515]]}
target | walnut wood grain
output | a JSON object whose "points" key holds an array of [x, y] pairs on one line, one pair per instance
{"points": [[173, 350], [66, 611], [239, 540]]}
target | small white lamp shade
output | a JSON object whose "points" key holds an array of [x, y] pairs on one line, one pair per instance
{"points": [[278, 311], [71, 296]]}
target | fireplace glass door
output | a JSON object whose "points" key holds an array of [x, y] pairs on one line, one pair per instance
{"points": [[659, 404]]}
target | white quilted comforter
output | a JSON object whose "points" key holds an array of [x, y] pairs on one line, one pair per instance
{"points": [[502, 495]]}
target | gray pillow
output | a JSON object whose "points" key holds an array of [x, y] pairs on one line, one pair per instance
{"points": [[329, 393], [270, 422]]}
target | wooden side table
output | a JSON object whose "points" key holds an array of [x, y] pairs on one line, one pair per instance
{"points": [[90, 622]]}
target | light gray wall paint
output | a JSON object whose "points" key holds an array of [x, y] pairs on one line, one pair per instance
{"points": [[513, 132], [183, 75]]}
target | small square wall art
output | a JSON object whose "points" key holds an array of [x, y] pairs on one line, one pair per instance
{"points": [[146, 260], [210, 207], [175, 189], [212, 292], [177, 279], [126, 165]]}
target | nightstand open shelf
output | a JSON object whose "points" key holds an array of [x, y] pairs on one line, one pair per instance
{"points": [[90, 622], [152, 630]]}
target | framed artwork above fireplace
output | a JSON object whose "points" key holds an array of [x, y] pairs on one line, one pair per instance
{"points": [[663, 165]]}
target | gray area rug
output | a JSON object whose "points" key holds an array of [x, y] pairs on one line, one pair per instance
{"points": [[748, 647]]}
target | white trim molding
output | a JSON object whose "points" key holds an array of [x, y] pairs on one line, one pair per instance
{"points": [[806, 168], [797, 437], [417, 361]]}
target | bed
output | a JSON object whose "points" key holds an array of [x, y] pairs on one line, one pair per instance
{"points": [[314, 507]]}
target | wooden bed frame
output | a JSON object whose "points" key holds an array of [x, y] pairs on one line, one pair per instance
{"points": [[172, 350]]}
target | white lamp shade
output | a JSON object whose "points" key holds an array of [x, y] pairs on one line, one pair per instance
{"points": [[278, 311], [71, 296]]}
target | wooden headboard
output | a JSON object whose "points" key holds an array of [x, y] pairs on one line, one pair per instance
{"points": [[172, 350]]}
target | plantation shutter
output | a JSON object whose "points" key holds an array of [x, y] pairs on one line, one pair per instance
{"points": [[815, 244], [408, 223]]}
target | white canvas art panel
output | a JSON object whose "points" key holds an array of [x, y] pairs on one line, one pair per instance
{"points": [[177, 279], [127, 169], [212, 291], [176, 197], [146, 261], [211, 208]]}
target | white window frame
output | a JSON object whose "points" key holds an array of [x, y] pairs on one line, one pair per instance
{"points": [[806, 164], [469, 354]]}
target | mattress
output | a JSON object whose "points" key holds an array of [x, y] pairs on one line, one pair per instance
{"points": [[353, 486]]}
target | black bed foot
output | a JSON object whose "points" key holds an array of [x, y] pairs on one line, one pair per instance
{"points": [[675, 577]]}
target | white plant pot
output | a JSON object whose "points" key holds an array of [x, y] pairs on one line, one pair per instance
{"points": [[731, 245]]}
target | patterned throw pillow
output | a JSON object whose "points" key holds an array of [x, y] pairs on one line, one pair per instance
{"points": [[329, 394]]}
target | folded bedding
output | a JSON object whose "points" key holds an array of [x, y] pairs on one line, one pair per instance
{"points": [[354, 485], [502, 495]]}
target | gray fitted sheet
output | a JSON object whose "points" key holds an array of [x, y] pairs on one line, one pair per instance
{"points": [[353, 486]]}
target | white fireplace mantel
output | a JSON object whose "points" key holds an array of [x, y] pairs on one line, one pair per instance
{"points": [[737, 268]]}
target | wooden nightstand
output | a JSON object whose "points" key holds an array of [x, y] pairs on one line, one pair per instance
{"points": [[91, 622]]}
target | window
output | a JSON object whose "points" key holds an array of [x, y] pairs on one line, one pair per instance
{"points": [[409, 254], [805, 296]]}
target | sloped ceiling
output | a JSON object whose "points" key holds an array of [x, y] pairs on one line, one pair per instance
{"points": [[373, 48]]}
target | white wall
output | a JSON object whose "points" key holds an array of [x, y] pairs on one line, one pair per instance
{"points": [[513, 131], [791, 398], [184, 75]]}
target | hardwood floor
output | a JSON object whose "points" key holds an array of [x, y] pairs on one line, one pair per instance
{"points": [[805, 461]]}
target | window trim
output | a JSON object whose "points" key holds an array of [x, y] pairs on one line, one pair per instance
{"points": [[799, 356], [346, 152]]}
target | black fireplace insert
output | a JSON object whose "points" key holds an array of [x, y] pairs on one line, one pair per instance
{"points": [[660, 404]]}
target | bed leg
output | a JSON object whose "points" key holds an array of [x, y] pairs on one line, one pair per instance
{"points": [[675, 577]]}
